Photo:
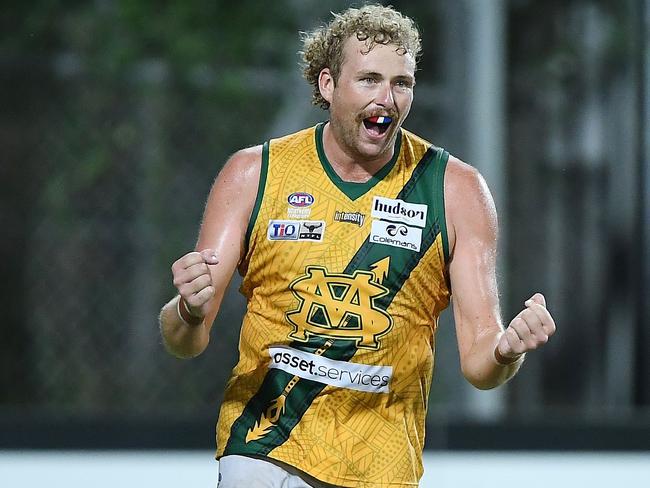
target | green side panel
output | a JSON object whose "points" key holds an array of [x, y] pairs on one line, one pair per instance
{"points": [[421, 188], [439, 200], [350, 189], [264, 171], [297, 403]]}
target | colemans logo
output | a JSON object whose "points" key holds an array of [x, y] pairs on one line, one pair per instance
{"points": [[341, 306], [300, 199]]}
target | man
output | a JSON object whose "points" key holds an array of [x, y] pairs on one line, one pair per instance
{"points": [[350, 237]]}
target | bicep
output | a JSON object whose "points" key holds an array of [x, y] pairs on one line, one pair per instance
{"points": [[472, 268], [226, 217]]}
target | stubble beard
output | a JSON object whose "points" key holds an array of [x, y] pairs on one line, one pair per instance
{"points": [[348, 132]]}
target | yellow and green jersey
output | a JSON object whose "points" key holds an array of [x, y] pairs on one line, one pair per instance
{"points": [[345, 283]]}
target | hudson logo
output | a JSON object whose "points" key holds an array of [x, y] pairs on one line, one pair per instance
{"points": [[350, 217], [343, 306], [300, 199], [399, 211], [295, 230]]}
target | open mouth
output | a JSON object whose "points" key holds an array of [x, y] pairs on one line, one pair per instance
{"points": [[377, 125]]}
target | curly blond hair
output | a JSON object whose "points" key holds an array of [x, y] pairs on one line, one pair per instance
{"points": [[375, 24]]}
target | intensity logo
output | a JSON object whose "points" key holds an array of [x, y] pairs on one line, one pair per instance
{"points": [[350, 217]]}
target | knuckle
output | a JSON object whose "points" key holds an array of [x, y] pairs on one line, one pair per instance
{"points": [[195, 299], [176, 267], [529, 315], [192, 272], [538, 308], [516, 322], [200, 293], [199, 269], [204, 280], [185, 291], [519, 329], [513, 337], [206, 294], [519, 348], [183, 262]]}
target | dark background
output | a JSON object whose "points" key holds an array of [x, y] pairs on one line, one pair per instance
{"points": [[116, 115]]}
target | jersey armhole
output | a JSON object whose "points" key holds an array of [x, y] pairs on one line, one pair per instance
{"points": [[260, 194], [439, 199]]}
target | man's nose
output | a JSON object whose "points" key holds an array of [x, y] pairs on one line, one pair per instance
{"points": [[385, 96]]}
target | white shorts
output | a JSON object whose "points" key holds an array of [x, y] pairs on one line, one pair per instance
{"points": [[244, 472]]}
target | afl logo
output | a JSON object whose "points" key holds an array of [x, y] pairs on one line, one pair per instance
{"points": [[300, 199]]}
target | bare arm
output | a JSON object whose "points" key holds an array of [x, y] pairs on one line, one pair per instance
{"points": [[472, 224], [203, 275]]}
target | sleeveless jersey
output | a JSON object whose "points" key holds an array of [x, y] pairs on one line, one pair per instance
{"points": [[344, 283]]}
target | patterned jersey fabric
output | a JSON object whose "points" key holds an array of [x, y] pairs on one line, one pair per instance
{"points": [[345, 283]]}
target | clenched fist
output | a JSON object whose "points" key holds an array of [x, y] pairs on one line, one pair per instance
{"points": [[193, 280], [530, 329]]}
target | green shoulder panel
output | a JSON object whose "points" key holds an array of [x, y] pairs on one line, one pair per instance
{"points": [[264, 170]]}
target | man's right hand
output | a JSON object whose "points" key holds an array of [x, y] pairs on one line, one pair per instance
{"points": [[193, 280]]}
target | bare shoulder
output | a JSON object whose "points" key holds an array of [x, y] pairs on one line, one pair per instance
{"points": [[233, 193], [468, 202], [462, 180], [243, 167]]}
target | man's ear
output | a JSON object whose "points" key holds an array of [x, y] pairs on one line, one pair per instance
{"points": [[326, 84]]}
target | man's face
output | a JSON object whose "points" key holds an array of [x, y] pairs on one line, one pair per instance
{"points": [[370, 84]]}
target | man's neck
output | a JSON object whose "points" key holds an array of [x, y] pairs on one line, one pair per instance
{"points": [[349, 167]]}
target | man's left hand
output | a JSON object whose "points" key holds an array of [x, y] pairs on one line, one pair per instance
{"points": [[530, 329]]}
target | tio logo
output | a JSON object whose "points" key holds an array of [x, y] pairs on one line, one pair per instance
{"points": [[295, 230], [284, 230]]}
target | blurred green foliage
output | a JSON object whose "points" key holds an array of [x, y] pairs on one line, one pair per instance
{"points": [[122, 113], [188, 63], [117, 115]]}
